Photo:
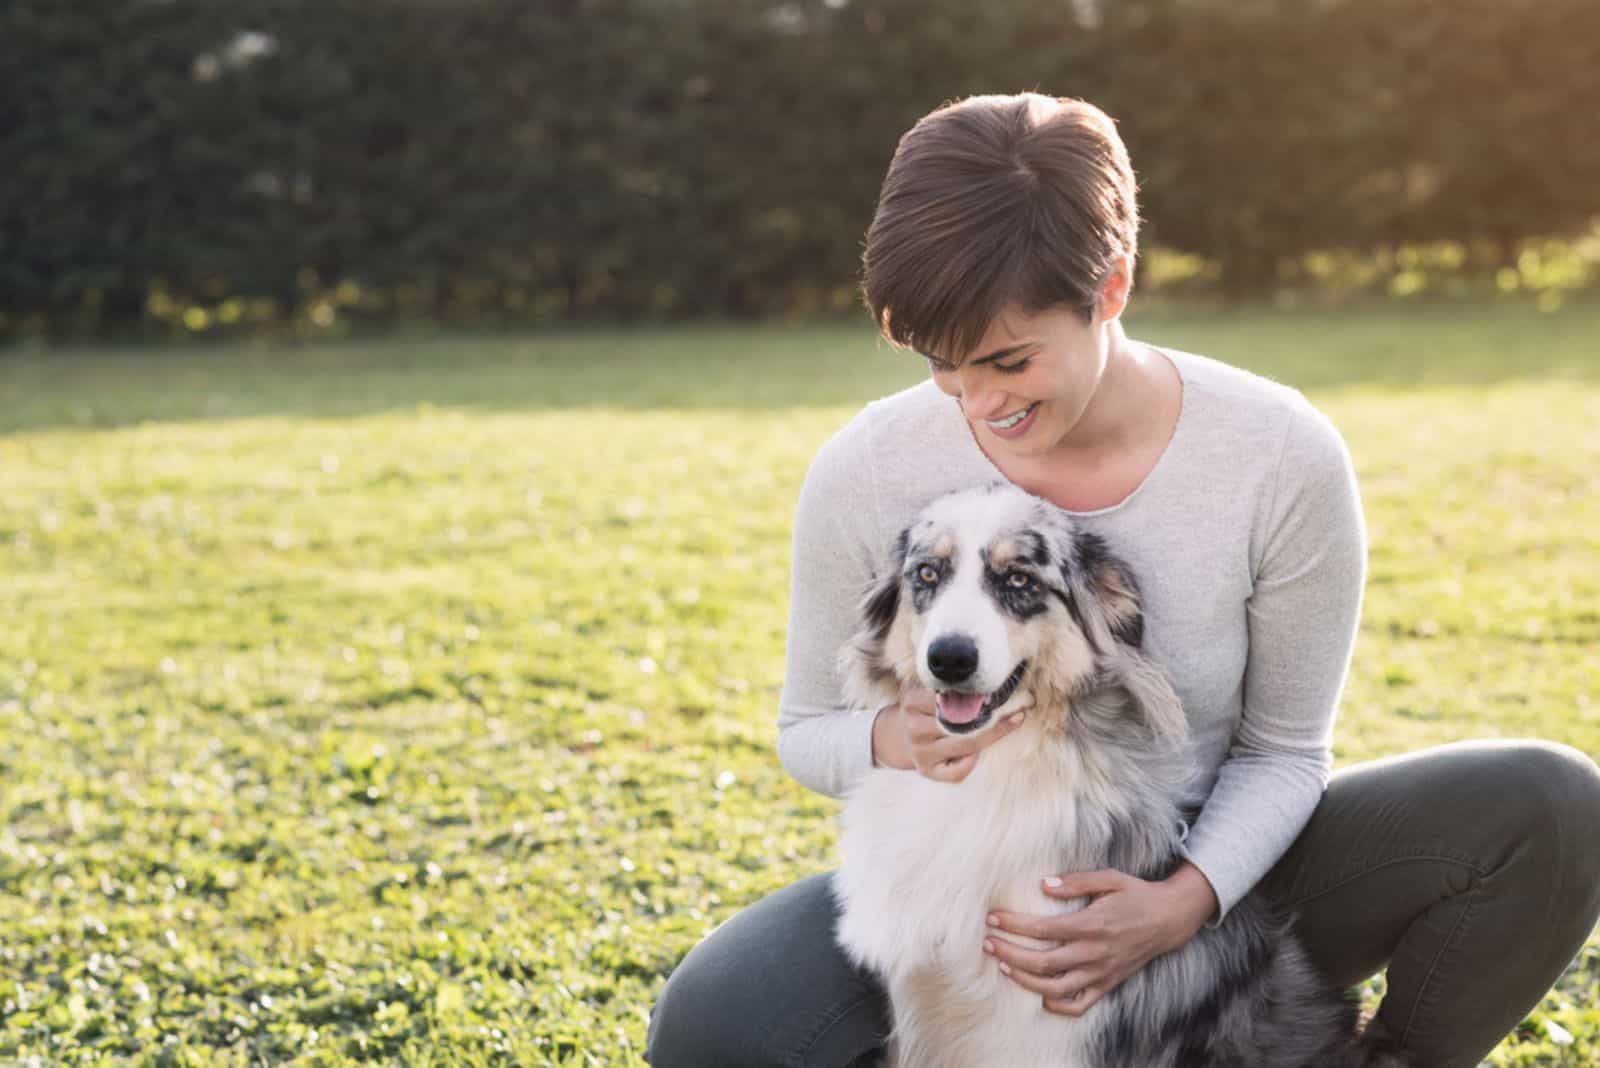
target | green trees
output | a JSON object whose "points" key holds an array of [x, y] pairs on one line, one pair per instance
{"points": [[219, 162]]}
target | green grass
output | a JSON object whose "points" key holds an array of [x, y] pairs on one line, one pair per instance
{"points": [[414, 701]]}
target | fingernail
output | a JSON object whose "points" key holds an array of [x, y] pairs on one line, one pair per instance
{"points": [[1052, 880], [988, 946], [1005, 969], [1016, 718], [994, 920]]}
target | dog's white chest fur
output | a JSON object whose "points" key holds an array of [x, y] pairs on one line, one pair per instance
{"points": [[924, 863]]}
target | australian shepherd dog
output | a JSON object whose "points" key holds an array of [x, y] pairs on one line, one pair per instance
{"points": [[995, 601]]}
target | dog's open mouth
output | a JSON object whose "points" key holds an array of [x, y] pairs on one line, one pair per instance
{"points": [[962, 713]]}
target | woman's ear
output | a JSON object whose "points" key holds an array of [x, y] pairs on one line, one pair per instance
{"points": [[1112, 297], [869, 679]]}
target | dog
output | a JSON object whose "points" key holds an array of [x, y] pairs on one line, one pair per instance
{"points": [[998, 602]]}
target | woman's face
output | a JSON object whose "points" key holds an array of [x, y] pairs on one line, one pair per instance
{"points": [[1027, 383]]}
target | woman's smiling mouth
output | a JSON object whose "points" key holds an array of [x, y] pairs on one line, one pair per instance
{"points": [[1012, 424]]}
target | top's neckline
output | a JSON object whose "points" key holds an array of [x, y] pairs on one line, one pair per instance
{"points": [[1162, 462]]}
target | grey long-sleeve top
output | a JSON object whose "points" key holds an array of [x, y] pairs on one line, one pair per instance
{"points": [[1248, 543]]}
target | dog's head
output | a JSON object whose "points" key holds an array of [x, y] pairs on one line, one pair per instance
{"points": [[997, 602]]}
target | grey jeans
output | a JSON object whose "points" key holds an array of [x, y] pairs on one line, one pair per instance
{"points": [[1472, 871]]}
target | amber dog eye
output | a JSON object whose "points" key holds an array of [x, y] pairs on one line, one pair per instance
{"points": [[928, 574], [1019, 580]]}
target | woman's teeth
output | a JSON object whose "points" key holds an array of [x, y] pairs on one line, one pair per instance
{"points": [[1007, 424]]}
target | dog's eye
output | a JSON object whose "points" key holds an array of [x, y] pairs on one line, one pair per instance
{"points": [[927, 574], [1019, 580]]}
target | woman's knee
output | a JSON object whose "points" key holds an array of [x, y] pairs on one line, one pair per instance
{"points": [[697, 1018], [770, 986], [686, 1021], [1559, 790], [1562, 782], [1573, 783]]}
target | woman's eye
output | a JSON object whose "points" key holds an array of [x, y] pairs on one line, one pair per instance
{"points": [[1013, 368], [928, 574], [1019, 580]]}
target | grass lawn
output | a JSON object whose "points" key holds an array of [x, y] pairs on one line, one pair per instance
{"points": [[413, 701]]}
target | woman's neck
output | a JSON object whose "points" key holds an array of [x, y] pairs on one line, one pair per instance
{"points": [[1119, 410], [1119, 438]]}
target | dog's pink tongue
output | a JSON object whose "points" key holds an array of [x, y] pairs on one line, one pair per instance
{"points": [[960, 707]]}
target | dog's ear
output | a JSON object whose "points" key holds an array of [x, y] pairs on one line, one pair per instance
{"points": [[882, 602], [1128, 704], [1154, 702], [869, 679], [1111, 589]]}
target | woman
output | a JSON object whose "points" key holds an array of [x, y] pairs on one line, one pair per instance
{"points": [[1002, 250]]}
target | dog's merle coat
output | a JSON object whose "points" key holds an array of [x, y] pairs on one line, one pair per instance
{"points": [[991, 586]]}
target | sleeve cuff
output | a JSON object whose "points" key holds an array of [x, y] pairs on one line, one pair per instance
{"points": [[828, 753], [1225, 881]]}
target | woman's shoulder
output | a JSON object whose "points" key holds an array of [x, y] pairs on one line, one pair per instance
{"points": [[916, 419], [1260, 451], [895, 454], [1265, 413], [914, 408], [1234, 386]]}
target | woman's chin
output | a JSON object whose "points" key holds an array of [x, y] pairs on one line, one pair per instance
{"points": [[1030, 444]]}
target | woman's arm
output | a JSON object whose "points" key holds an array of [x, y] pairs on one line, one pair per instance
{"points": [[824, 746], [1302, 617], [840, 542]]}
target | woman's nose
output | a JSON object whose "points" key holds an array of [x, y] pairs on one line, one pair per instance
{"points": [[979, 399]]}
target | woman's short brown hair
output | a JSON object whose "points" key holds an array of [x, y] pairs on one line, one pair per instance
{"points": [[992, 200]]}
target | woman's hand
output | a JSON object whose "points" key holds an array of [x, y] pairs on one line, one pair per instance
{"points": [[1127, 923], [908, 736]]}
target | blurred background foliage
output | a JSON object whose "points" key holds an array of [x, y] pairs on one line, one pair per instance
{"points": [[217, 166]]}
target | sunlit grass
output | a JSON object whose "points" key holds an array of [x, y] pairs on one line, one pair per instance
{"points": [[414, 702]]}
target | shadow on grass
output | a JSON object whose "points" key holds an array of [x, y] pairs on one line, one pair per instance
{"points": [[745, 368]]}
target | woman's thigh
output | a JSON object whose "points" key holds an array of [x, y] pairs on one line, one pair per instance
{"points": [[1470, 870], [770, 987]]}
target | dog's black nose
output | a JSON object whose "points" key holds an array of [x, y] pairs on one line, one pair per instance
{"points": [[953, 658]]}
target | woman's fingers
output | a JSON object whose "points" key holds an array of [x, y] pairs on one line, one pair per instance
{"points": [[1053, 927], [1065, 984], [952, 770], [1004, 727], [942, 751], [1077, 1004], [938, 754], [1068, 978], [924, 730], [1053, 960], [1066, 987], [935, 744]]}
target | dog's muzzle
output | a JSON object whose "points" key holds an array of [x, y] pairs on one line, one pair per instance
{"points": [[963, 713]]}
